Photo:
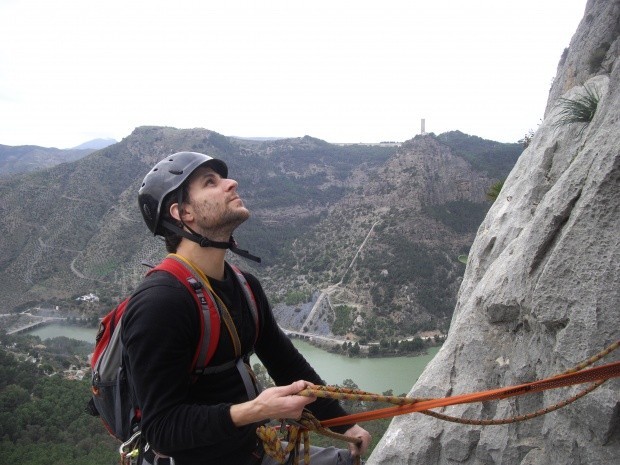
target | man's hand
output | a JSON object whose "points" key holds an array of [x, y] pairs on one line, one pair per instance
{"points": [[358, 432], [275, 402]]}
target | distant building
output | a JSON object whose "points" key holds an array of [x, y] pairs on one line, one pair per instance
{"points": [[88, 298]]}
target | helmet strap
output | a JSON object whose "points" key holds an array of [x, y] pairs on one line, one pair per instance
{"points": [[206, 242]]}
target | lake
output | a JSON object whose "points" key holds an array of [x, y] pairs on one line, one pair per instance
{"points": [[370, 374]]}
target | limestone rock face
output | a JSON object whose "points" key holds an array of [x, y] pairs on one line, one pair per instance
{"points": [[541, 291]]}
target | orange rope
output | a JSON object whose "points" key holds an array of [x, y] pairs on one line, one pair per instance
{"points": [[608, 371]]}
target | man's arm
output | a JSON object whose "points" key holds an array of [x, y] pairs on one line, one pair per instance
{"points": [[284, 361]]}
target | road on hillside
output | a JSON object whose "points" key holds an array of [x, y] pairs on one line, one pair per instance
{"points": [[325, 293]]}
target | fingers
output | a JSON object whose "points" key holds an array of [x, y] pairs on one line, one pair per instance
{"points": [[361, 447], [298, 386], [282, 401], [275, 402]]}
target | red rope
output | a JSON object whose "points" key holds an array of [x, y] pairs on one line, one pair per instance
{"points": [[608, 371]]}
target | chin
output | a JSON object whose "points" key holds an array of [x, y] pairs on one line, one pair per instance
{"points": [[241, 215]]}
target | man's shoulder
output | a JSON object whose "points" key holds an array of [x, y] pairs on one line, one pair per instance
{"points": [[252, 281], [159, 279], [160, 288]]}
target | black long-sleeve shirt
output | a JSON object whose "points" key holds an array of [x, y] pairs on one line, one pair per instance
{"points": [[191, 420]]}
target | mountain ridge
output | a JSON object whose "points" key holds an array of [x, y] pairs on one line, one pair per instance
{"points": [[85, 232], [29, 158]]}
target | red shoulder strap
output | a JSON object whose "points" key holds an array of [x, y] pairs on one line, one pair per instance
{"points": [[209, 315], [207, 311]]}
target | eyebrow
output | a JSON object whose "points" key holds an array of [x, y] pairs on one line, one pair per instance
{"points": [[203, 173]]}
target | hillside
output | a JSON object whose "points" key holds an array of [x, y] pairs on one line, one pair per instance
{"points": [[28, 158], [409, 221], [75, 228]]}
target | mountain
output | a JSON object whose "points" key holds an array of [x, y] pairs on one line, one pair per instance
{"points": [[541, 291], [96, 144], [414, 216], [28, 158], [75, 228]]}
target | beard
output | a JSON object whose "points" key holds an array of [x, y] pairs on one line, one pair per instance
{"points": [[220, 227]]}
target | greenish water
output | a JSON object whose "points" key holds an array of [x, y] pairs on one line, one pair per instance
{"points": [[73, 332], [370, 374]]}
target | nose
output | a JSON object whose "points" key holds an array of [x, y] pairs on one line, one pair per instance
{"points": [[230, 184]]}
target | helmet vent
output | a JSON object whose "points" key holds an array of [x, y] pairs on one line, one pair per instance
{"points": [[175, 171]]}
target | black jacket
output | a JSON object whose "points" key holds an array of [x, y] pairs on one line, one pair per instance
{"points": [[191, 420]]}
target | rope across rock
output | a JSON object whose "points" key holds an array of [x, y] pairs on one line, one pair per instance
{"points": [[299, 429]]}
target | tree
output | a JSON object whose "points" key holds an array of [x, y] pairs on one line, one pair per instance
{"points": [[354, 350], [349, 384]]}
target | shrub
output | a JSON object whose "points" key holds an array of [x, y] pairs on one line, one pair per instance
{"points": [[527, 139], [494, 191], [581, 109]]}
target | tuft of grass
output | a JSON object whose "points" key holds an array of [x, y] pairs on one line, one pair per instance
{"points": [[581, 109], [494, 191]]}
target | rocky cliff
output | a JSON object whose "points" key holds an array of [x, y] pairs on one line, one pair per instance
{"points": [[541, 291]]}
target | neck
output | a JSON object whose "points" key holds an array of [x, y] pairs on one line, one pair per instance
{"points": [[208, 259]]}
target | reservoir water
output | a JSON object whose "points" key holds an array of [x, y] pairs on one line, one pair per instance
{"points": [[72, 332], [370, 374]]}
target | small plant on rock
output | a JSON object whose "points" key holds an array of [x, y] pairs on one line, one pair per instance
{"points": [[494, 191], [581, 109]]}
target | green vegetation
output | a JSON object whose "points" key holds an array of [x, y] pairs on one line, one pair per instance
{"points": [[462, 216], [343, 321], [494, 190], [43, 421], [296, 297], [494, 158], [581, 109]]}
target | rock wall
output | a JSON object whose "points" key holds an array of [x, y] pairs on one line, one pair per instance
{"points": [[541, 291]]}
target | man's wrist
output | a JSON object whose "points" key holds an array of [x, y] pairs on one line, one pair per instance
{"points": [[244, 414]]}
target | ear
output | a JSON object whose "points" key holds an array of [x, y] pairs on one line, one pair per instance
{"points": [[180, 214]]}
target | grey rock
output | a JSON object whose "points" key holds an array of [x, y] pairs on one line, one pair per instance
{"points": [[541, 291]]}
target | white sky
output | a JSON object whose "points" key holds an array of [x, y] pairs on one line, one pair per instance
{"points": [[342, 71]]}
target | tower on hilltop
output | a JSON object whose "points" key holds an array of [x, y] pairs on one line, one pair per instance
{"points": [[423, 126]]}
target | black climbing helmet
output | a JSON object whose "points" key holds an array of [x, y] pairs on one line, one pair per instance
{"points": [[166, 176]]}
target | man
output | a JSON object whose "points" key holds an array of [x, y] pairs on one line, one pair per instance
{"points": [[189, 200]]}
